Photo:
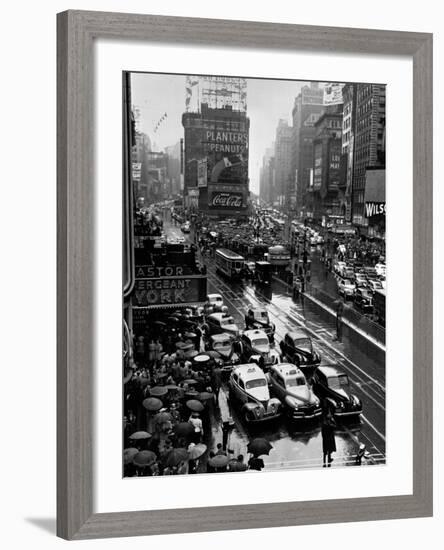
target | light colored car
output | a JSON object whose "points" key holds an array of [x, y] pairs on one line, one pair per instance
{"points": [[360, 279], [380, 270], [289, 385], [221, 322], [214, 302], [373, 284], [249, 389], [346, 288], [338, 267]]}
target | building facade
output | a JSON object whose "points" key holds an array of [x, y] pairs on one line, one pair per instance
{"points": [[282, 153], [369, 143], [308, 107], [216, 138]]}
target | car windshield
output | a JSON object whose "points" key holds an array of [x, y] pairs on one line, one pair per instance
{"points": [[228, 321], [304, 344], [257, 383], [261, 315], [293, 382], [338, 382], [221, 345], [260, 342]]}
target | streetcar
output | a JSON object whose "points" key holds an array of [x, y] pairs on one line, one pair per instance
{"points": [[229, 263]]}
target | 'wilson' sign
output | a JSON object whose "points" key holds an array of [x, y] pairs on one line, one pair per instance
{"points": [[374, 209]]}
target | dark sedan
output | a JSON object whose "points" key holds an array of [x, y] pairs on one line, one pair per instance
{"points": [[332, 386]]}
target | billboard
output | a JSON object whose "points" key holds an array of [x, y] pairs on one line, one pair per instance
{"points": [[202, 176], [374, 197], [224, 199], [333, 93], [170, 291]]}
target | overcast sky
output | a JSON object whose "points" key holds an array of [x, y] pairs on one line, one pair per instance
{"points": [[267, 102]]}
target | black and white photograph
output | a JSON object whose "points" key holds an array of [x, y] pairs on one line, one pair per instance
{"points": [[254, 259]]}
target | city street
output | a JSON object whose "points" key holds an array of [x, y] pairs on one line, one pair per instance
{"points": [[301, 445]]}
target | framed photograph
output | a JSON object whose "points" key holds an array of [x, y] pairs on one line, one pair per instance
{"points": [[244, 275]]}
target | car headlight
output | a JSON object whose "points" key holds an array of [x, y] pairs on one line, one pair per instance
{"points": [[292, 402]]}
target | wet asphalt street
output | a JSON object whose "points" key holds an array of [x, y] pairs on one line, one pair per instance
{"points": [[300, 445]]}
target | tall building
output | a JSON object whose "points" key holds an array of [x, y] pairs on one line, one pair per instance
{"points": [[308, 107], [282, 153], [369, 143], [327, 148], [266, 182], [216, 130], [173, 168], [348, 140]]}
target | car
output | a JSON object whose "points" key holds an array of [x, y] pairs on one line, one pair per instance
{"points": [[248, 388], [214, 303], [257, 318], [338, 267], [374, 284], [360, 279], [332, 386], [346, 288], [297, 348], [221, 322], [363, 299], [185, 227], [370, 272], [380, 269], [348, 273], [255, 342], [223, 343], [288, 383]]}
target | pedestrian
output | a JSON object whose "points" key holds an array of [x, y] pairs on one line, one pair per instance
{"points": [[196, 421], [216, 381], [339, 313], [256, 463], [328, 438]]}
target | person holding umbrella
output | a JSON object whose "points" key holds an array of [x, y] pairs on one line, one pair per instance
{"points": [[328, 438], [196, 421]]}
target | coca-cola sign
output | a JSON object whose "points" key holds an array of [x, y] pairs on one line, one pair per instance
{"points": [[226, 200]]}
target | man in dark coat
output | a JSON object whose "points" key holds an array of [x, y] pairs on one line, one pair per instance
{"points": [[328, 438]]}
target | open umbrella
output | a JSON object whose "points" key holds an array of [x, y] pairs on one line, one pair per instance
{"points": [[190, 381], [201, 359], [213, 354], [183, 429], [158, 391], [152, 404], [259, 446], [139, 435], [160, 323], [197, 450], [163, 417], [218, 461], [205, 396], [190, 335], [176, 456], [191, 353], [181, 345], [171, 387], [195, 405], [144, 458], [129, 454]]}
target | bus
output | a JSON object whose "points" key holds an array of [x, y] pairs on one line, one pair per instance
{"points": [[229, 263]]}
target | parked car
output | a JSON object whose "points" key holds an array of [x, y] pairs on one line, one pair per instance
{"points": [[346, 288], [257, 318], [221, 322], [248, 388], [223, 343], [297, 347], [255, 344], [332, 386], [363, 300], [373, 285], [214, 303], [289, 384], [360, 279]]}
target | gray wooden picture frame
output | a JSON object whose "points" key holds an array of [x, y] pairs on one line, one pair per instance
{"points": [[76, 32]]}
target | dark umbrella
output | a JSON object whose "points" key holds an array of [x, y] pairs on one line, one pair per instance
{"points": [[163, 417], [176, 456], [171, 387], [139, 435], [184, 429], [205, 396], [259, 446], [190, 381], [197, 450], [144, 458], [158, 391], [152, 404], [195, 405], [218, 461], [129, 454]]}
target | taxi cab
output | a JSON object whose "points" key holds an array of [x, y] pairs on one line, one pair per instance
{"points": [[221, 322], [248, 388], [289, 384]]}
